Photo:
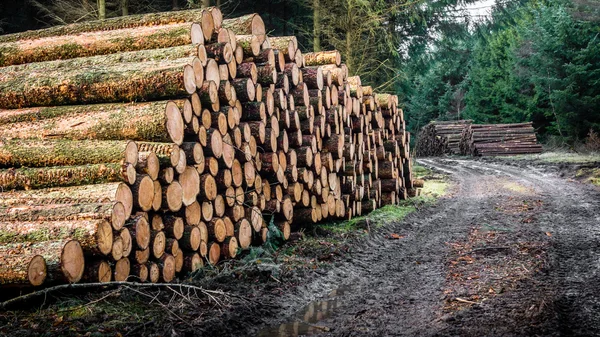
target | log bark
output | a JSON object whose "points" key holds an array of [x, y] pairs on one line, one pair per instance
{"points": [[248, 24], [131, 21], [96, 43], [95, 236], [102, 83], [154, 121], [112, 212], [37, 153], [43, 177], [111, 192], [323, 58]]}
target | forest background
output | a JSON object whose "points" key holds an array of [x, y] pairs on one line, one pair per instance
{"points": [[506, 61]]}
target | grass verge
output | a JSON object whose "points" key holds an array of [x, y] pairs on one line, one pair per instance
{"points": [[556, 157]]}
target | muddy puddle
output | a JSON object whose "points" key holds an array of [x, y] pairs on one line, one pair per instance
{"points": [[306, 321]]}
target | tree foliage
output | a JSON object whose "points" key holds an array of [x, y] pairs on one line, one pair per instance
{"points": [[532, 61]]}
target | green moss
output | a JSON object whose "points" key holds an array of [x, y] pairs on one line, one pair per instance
{"points": [[435, 186], [420, 171], [40, 235]]}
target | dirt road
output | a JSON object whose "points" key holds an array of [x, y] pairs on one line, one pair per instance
{"points": [[512, 251]]}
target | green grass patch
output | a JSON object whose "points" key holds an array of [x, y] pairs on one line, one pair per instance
{"points": [[436, 185], [590, 175]]}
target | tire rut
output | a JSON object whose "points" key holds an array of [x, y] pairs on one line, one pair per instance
{"points": [[396, 287]]}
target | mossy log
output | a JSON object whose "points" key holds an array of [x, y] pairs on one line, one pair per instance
{"points": [[130, 21], [249, 43], [39, 153], [100, 83], [35, 263], [98, 43], [153, 121], [323, 58], [110, 192], [95, 236], [42, 177], [246, 25], [149, 55], [113, 212]]}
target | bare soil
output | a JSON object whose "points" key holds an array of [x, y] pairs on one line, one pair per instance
{"points": [[511, 251]]}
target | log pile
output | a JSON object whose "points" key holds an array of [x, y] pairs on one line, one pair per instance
{"points": [[142, 147], [440, 138], [499, 140], [463, 137]]}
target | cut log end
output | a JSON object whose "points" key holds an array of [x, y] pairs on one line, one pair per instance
{"points": [[174, 122], [72, 261], [36, 271], [122, 269]]}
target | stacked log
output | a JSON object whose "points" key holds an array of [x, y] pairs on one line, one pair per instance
{"points": [[440, 138], [230, 130], [463, 137], [499, 140]]}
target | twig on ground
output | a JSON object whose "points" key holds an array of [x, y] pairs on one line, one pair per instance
{"points": [[161, 304], [89, 303], [464, 301], [208, 293]]}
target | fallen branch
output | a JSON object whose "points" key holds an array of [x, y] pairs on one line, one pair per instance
{"points": [[170, 286], [465, 301]]}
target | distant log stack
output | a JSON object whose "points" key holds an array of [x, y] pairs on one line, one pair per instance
{"points": [[465, 138], [439, 138], [499, 140], [230, 130]]}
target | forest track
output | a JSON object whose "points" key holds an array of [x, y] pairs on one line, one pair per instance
{"points": [[510, 252]]}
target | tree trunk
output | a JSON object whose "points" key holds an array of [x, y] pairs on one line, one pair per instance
{"points": [[36, 263], [316, 26], [124, 7], [153, 121], [103, 83], [101, 9], [38, 153], [95, 236], [43, 177]]}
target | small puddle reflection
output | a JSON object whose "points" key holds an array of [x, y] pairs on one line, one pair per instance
{"points": [[304, 322]]}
